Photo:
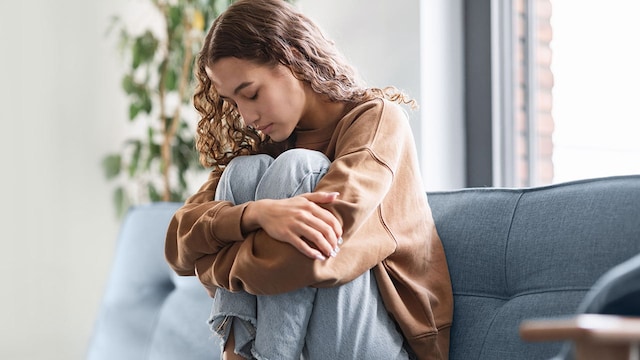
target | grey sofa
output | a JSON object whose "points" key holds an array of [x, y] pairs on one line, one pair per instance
{"points": [[513, 254]]}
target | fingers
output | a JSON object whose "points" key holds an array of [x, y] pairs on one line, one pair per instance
{"points": [[325, 223], [303, 223], [324, 214], [312, 231], [322, 236], [321, 197], [304, 247]]}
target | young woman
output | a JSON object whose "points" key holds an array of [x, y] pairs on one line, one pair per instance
{"points": [[313, 234]]}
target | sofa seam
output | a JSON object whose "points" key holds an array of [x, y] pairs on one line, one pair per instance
{"points": [[493, 319], [486, 335], [506, 298], [506, 247]]}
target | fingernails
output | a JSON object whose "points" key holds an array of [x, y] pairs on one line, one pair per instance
{"points": [[333, 253], [340, 241]]}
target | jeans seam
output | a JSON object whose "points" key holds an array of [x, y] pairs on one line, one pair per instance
{"points": [[304, 180]]}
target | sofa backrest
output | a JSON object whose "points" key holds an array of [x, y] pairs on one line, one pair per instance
{"points": [[148, 312], [512, 255], [516, 254]]}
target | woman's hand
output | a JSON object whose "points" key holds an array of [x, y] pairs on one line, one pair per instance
{"points": [[299, 221]]}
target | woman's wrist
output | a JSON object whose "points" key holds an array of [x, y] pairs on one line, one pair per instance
{"points": [[249, 219]]}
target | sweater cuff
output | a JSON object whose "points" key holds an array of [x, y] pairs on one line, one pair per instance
{"points": [[226, 225]]}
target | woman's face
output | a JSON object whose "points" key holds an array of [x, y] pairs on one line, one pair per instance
{"points": [[269, 98]]}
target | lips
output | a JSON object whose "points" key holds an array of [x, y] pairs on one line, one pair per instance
{"points": [[265, 129]]}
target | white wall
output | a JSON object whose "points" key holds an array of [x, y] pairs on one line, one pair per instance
{"points": [[417, 46], [443, 133], [61, 111], [381, 39]]}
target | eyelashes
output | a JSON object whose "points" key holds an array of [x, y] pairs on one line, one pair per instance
{"points": [[234, 104]]}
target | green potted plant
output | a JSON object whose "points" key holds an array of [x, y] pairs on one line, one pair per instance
{"points": [[153, 165], [155, 161]]}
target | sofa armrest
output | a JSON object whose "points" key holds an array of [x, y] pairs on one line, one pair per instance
{"points": [[593, 336]]}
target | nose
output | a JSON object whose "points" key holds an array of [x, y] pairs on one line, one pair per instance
{"points": [[249, 114]]}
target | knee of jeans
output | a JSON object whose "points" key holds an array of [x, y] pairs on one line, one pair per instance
{"points": [[293, 172], [249, 166], [301, 159], [299, 162], [248, 162], [241, 176]]}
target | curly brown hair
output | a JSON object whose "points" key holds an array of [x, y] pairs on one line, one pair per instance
{"points": [[268, 32]]}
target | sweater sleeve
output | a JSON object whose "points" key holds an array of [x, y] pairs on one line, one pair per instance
{"points": [[201, 227], [368, 148]]}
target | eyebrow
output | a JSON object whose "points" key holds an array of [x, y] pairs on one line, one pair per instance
{"points": [[238, 88], [241, 86]]}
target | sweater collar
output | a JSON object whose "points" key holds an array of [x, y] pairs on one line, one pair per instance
{"points": [[318, 139]]}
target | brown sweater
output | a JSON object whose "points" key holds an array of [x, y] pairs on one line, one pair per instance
{"points": [[387, 226]]}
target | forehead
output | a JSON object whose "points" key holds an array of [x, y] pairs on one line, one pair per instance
{"points": [[227, 73]]}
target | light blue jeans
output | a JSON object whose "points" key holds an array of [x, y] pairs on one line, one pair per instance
{"points": [[345, 322]]}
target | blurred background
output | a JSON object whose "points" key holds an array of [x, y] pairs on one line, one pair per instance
{"points": [[62, 110], [511, 93]]}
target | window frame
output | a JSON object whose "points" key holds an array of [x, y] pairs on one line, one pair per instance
{"points": [[491, 67]]}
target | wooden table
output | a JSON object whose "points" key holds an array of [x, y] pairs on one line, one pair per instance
{"points": [[595, 337]]}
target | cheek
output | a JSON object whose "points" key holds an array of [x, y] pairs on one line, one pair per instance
{"points": [[296, 98], [286, 100], [287, 104]]}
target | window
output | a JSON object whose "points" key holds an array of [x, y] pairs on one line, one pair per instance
{"points": [[565, 85]]}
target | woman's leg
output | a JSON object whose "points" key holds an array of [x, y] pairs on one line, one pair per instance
{"points": [[351, 322], [241, 177], [282, 319], [233, 314], [346, 322]]}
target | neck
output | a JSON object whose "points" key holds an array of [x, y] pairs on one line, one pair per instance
{"points": [[320, 111]]}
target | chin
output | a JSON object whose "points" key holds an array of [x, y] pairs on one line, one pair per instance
{"points": [[279, 137]]}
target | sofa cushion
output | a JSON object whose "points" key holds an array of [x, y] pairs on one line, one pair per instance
{"points": [[148, 312], [515, 254]]}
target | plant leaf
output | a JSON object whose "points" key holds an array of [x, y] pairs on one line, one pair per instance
{"points": [[145, 101], [154, 195], [134, 110], [135, 158], [144, 49], [171, 80], [174, 17], [111, 164], [120, 201], [128, 85]]}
